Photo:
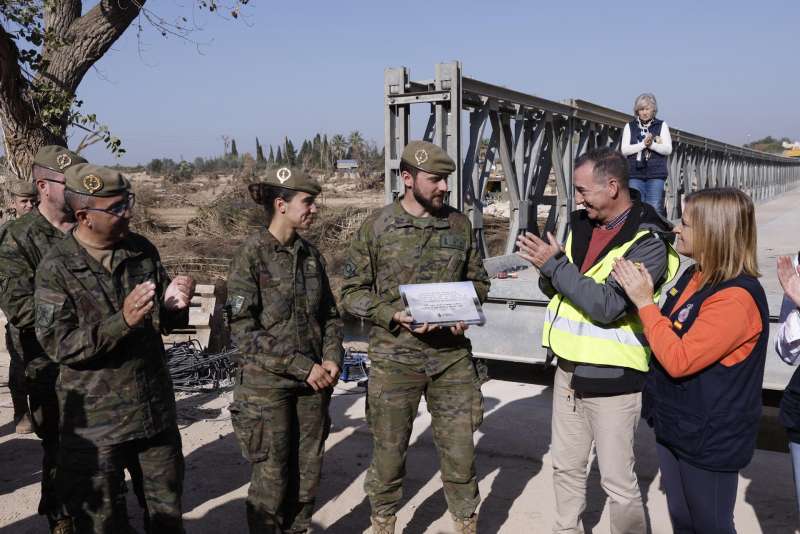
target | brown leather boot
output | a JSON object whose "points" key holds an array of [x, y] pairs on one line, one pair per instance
{"points": [[466, 526], [62, 526], [383, 524]]}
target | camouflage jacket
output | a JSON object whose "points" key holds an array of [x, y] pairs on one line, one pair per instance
{"points": [[393, 248], [113, 384], [23, 244], [283, 315]]}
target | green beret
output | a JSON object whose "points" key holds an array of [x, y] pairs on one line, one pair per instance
{"points": [[428, 157], [294, 179], [57, 158], [21, 188], [96, 181]]}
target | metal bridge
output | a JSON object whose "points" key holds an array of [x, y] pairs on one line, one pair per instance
{"points": [[537, 140]]}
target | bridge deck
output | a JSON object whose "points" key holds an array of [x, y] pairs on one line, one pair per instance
{"points": [[778, 234]]}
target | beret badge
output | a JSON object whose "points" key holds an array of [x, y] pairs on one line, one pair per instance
{"points": [[63, 161], [284, 174], [421, 156], [92, 183]]}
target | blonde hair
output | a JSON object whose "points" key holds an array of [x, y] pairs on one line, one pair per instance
{"points": [[724, 234]]}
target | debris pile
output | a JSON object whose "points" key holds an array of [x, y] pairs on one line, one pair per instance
{"points": [[193, 369]]}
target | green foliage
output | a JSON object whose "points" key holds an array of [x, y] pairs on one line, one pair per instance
{"points": [[259, 153], [316, 153], [289, 153], [234, 151], [769, 144]]}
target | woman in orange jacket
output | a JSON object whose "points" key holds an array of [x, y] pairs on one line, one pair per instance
{"points": [[703, 392]]}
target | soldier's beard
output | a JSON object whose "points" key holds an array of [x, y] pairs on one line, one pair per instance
{"points": [[432, 205]]}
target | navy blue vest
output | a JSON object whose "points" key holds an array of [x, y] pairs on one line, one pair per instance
{"points": [[654, 166], [709, 419]]}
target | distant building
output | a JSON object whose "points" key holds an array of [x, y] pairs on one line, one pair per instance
{"points": [[347, 164], [792, 149]]}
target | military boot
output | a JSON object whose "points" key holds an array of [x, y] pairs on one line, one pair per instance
{"points": [[467, 525], [383, 524], [62, 526]]}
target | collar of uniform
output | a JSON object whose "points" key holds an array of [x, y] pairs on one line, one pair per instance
{"points": [[272, 242], [403, 219], [80, 259], [42, 223]]}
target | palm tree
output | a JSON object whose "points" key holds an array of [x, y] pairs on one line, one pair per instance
{"points": [[338, 146], [356, 141]]}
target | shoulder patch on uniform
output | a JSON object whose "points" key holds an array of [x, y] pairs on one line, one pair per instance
{"points": [[452, 241], [349, 269], [312, 265], [45, 314], [235, 302]]}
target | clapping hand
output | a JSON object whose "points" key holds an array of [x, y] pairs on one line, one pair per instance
{"points": [[138, 303], [536, 250], [789, 276], [635, 280], [179, 293]]}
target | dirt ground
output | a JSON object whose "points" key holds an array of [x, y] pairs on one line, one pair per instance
{"points": [[514, 471]]}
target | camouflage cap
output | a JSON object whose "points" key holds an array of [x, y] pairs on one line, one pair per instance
{"points": [[428, 157], [57, 158], [294, 179], [96, 181], [21, 188]]}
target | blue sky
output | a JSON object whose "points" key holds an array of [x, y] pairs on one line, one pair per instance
{"points": [[727, 70]]}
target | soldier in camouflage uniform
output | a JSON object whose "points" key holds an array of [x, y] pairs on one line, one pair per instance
{"points": [[103, 299], [23, 244], [23, 200], [417, 239], [284, 321]]}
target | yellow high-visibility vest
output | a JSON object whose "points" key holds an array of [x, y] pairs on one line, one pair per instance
{"points": [[571, 334]]}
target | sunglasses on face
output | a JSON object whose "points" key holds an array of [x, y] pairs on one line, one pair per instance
{"points": [[120, 208]]}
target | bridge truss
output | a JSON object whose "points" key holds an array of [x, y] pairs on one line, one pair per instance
{"points": [[536, 141]]}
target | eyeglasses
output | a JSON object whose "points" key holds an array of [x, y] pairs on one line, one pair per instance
{"points": [[120, 208]]}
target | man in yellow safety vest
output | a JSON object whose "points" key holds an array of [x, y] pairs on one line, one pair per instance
{"points": [[593, 329]]}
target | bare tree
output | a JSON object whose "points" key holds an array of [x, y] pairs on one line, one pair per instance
{"points": [[46, 49]]}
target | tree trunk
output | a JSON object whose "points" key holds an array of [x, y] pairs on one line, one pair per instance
{"points": [[22, 141], [74, 44]]}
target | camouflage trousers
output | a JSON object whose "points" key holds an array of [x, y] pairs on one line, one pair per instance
{"points": [[92, 483], [16, 380], [282, 432], [456, 406], [44, 417]]}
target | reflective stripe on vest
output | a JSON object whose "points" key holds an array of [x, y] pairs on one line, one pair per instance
{"points": [[571, 334]]}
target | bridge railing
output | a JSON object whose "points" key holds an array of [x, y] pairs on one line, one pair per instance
{"points": [[536, 141]]}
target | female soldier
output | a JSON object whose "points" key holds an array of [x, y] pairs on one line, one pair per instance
{"points": [[703, 393], [284, 321]]}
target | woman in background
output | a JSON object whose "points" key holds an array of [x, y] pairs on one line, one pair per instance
{"points": [[646, 143]]}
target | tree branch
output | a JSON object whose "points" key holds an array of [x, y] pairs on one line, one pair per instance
{"points": [[12, 82], [58, 16], [86, 40]]}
